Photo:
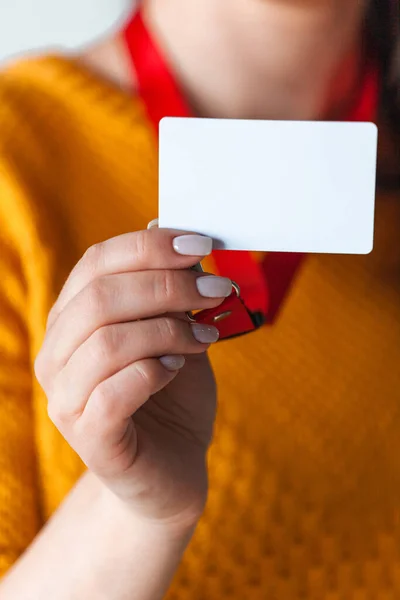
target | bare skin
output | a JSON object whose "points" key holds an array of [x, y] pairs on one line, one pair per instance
{"points": [[287, 58], [140, 422]]}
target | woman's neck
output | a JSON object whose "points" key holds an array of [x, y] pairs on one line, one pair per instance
{"points": [[276, 59]]}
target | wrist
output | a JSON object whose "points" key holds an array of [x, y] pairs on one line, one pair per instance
{"points": [[125, 517]]}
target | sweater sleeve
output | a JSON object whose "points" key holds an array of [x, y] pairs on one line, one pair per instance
{"points": [[19, 509]]}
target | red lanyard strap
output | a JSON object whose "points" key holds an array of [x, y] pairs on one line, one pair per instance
{"points": [[263, 285], [161, 97]]}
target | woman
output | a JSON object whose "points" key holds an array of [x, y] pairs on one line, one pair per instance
{"points": [[304, 475]]}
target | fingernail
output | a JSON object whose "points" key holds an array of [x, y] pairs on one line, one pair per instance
{"points": [[205, 334], [193, 245], [173, 363], [214, 287], [153, 223]]}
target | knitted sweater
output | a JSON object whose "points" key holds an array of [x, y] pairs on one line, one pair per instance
{"points": [[304, 469]]}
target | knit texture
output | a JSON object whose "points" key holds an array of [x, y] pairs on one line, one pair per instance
{"points": [[305, 468]]}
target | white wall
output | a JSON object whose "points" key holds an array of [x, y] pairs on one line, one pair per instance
{"points": [[29, 26]]}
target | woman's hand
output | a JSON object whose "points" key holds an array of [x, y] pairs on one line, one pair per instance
{"points": [[112, 366]]}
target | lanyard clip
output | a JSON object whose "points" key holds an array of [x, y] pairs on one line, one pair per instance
{"points": [[232, 318]]}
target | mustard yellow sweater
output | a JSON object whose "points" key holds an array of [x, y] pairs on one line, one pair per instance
{"points": [[305, 467]]}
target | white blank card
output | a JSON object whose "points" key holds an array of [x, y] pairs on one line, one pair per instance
{"points": [[293, 186]]}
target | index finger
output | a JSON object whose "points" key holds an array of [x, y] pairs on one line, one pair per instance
{"points": [[137, 251]]}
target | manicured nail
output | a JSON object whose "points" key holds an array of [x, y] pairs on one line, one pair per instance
{"points": [[193, 245], [214, 287], [153, 223], [205, 334], [173, 363]]}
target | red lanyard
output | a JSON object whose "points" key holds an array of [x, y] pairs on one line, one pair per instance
{"points": [[263, 285]]}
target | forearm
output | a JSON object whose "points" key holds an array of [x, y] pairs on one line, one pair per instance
{"points": [[94, 547]]}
